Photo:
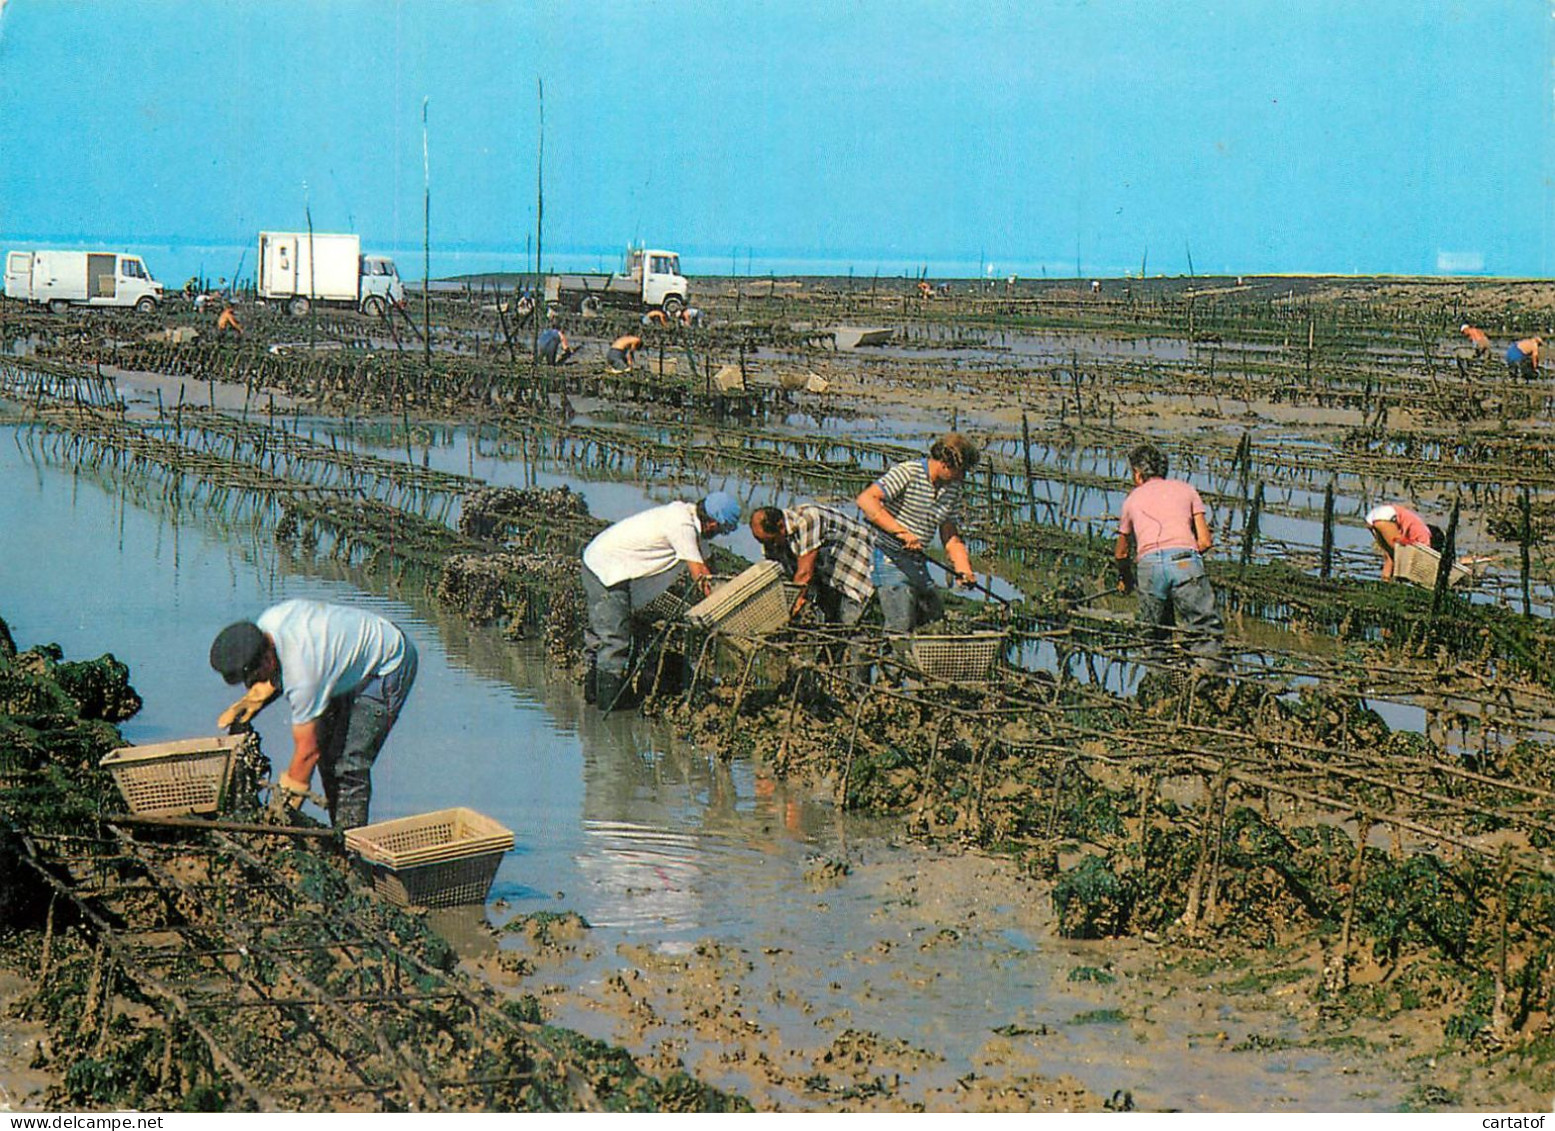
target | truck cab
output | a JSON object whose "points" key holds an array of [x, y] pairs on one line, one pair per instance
{"points": [[380, 283], [663, 285]]}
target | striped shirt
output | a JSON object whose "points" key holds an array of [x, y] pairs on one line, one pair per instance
{"points": [[913, 501], [844, 544]]}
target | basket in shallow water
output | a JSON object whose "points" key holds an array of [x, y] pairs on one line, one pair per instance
{"points": [[1420, 563], [170, 779], [968, 658], [752, 603], [438, 859]]}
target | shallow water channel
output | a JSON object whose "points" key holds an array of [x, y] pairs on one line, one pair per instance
{"points": [[656, 845]]}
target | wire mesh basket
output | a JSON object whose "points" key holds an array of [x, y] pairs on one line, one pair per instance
{"points": [[1420, 564], [668, 605], [753, 603], [439, 859], [170, 779], [967, 658]]}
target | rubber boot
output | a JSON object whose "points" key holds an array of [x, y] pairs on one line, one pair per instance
{"points": [[609, 687], [591, 685]]}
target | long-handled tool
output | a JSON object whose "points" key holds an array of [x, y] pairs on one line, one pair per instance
{"points": [[296, 831], [976, 584], [1073, 597]]}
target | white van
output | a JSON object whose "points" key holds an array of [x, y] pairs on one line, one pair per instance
{"points": [[62, 279]]}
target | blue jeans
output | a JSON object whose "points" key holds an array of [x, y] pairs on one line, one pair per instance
{"points": [[355, 726], [1519, 365], [607, 636], [908, 595], [1174, 592]]}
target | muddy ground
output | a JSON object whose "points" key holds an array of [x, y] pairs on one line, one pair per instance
{"points": [[792, 1026], [23, 1087]]}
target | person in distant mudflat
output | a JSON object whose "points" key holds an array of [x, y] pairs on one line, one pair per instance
{"points": [[1522, 358], [623, 353], [552, 347], [227, 322], [1163, 535], [1393, 525], [1478, 339]]}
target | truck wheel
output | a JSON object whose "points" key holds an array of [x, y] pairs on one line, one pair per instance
{"points": [[673, 305], [58, 306], [590, 305], [146, 305], [298, 306], [373, 305]]}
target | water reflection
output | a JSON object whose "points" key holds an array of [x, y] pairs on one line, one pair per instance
{"points": [[614, 817]]}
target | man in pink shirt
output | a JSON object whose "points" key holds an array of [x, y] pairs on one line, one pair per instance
{"points": [[1392, 525], [1163, 535]]}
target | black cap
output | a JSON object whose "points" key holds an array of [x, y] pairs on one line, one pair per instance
{"points": [[236, 650]]}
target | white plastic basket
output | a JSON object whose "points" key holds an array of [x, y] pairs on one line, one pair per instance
{"points": [[967, 658], [752, 603], [440, 859], [170, 779], [1420, 564]]}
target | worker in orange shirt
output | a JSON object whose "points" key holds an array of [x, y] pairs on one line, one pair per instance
{"points": [[1478, 339], [1522, 358], [623, 352], [228, 321]]}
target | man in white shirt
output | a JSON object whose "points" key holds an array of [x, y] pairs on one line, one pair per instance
{"points": [[630, 563], [346, 674]]}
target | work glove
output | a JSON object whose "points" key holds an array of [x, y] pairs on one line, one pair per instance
{"points": [[286, 797], [1126, 580], [247, 707]]}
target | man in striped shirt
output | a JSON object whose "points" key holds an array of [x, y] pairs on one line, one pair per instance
{"points": [[824, 552], [908, 505]]}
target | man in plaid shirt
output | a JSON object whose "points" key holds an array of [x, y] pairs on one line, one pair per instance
{"points": [[825, 552]]}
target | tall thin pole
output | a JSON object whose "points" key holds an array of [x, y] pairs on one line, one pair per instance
{"points": [[534, 332], [313, 298], [426, 236]]}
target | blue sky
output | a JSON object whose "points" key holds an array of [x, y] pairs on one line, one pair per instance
{"points": [[1041, 136]]}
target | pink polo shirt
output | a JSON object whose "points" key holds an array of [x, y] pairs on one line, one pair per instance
{"points": [[1159, 514], [1412, 530]]}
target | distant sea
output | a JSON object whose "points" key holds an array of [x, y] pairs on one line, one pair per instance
{"points": [[172, 263]]}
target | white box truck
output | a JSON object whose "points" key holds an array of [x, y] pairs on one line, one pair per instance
{"points": [[300, 269], [62, 279], [650, 280]]}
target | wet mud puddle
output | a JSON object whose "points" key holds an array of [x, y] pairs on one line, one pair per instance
{"points": [[828, 966]]}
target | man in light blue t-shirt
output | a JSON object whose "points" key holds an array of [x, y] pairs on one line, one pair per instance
{"points": [[346, 675]]}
